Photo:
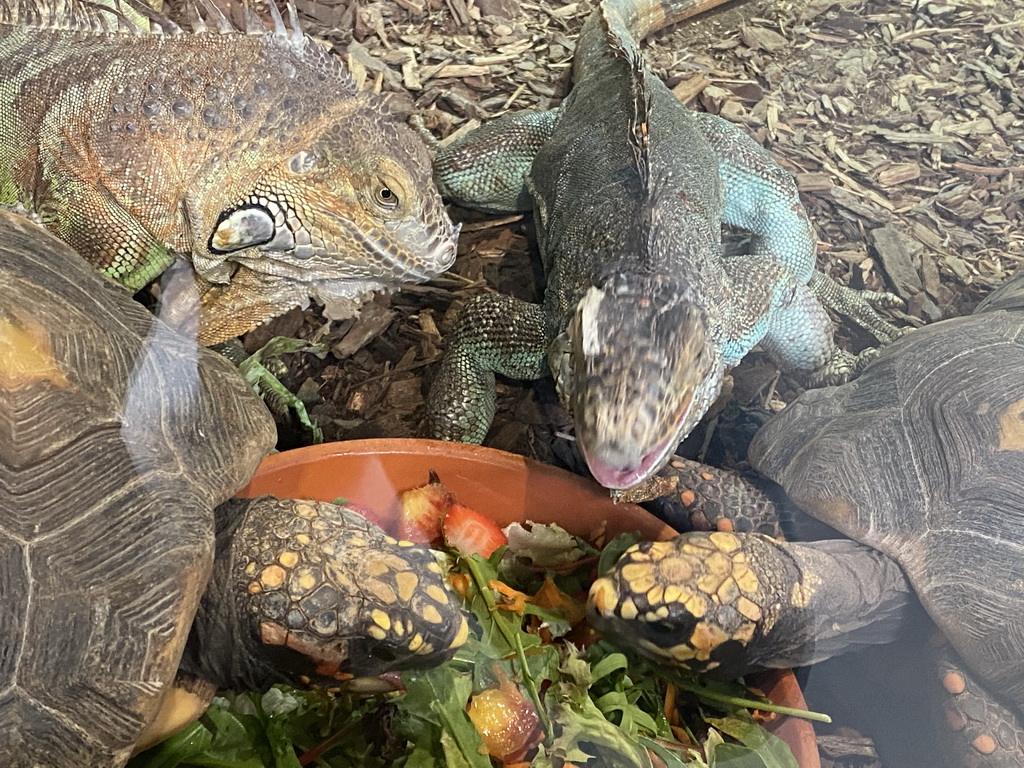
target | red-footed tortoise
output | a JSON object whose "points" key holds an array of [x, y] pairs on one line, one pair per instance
{"points": [[920, 463], [118, 439]]}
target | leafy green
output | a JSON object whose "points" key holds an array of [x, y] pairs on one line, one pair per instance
{"points": [[267, 385]]}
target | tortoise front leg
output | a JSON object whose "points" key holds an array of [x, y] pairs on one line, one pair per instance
{"points": [[689, 495], [980, 731], [733, 603]]}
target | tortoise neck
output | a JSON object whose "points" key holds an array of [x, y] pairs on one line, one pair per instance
{"points": [[224, 646]]}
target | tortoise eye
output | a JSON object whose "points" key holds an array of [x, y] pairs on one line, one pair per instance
{"points": [[386, 197]]}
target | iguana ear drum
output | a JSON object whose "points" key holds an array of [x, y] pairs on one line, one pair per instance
{"points": [[242, 228]]}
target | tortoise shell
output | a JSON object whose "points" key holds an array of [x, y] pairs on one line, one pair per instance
{"points": [[117, 439], [922, 458]]}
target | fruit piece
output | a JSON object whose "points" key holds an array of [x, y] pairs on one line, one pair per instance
{"points": [[421, 511], [471, 533], [506, 721]]}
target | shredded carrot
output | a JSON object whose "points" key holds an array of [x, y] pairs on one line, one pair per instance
{"points": [[516, 600], [671, 712], [551, 597], [460, 583]]}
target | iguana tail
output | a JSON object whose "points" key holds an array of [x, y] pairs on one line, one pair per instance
{"points": [[622, 24], [644, 17]]}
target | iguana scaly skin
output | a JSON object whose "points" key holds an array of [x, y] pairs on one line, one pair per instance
{"points": [[642, 314], [250, 156]]}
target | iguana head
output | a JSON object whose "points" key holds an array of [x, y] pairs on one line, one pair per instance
{"points": [[640, 372], [351, 200]]}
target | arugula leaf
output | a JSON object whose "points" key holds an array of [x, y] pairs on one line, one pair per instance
{"points": [[766, 749]]}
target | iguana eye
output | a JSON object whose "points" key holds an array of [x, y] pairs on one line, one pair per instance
{"points": [[386, 197]]}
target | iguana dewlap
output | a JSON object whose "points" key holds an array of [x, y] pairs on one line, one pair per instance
{"points": [[250, 156], [642, 314]]}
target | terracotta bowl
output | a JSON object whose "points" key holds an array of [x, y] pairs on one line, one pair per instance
{"points": [[507, 487]]}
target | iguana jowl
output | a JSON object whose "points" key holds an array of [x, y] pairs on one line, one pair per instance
{"points": [[250, 155], [642, 315]]}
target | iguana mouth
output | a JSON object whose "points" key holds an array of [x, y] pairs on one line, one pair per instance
{"points": [[617, 477], [381, 260]]}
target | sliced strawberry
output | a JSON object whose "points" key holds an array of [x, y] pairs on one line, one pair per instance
{"points": [[472, 533], [421, 511]]}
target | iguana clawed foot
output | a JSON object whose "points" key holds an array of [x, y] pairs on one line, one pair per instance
{"points": [[257, 370], [861, 306], [843, 367]]}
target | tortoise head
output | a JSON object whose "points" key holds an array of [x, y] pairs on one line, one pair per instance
{"points": [[638, 373], [315, 592]]}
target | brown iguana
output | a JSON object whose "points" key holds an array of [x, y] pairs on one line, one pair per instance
{"points": [[249, 154], [642, 312]]}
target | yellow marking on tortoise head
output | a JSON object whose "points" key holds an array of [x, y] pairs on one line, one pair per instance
{"points": [[381, 591], [26, 355], [305, 510], [425, 650], [709, 583], [255, 588], [705, 638], [673, 594], [745, 633], [250, 569], [696, 606], [746, 579], [749, 609], [718, 564], [675, 570], [628, 609], [289, 559], [638, 576], [431, 614], [461, 636], [406, 581], [682, 652], [380, 618], [272, 576], [728, 591], [376, 632], [439, 594], [416, 643], [603, 596], [302, 539], [655, 595], [376, 568], [433, 567], [1011, 427], [726, 542]]}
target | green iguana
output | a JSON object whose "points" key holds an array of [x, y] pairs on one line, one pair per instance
{"points": [[642, 314], [248, 154]]}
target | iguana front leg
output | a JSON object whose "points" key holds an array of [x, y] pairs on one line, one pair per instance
{"points": [[760, 197], [486, 169], [773, 308], [90, 219], [493, 333]]}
